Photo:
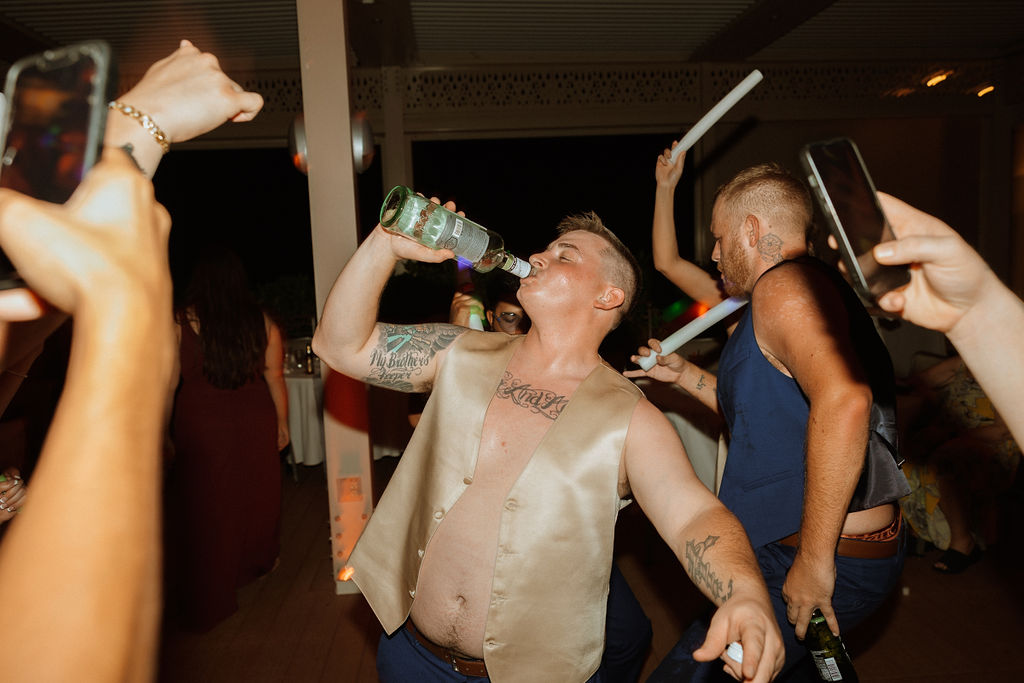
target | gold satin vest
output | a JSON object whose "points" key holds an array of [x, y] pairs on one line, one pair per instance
{"points": [[549, 593]]}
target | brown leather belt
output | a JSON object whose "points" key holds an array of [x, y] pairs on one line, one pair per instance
{"points": [[877, 545], [466, 666]]}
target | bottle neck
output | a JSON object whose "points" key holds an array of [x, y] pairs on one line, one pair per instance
{"points": [[516, 266]]}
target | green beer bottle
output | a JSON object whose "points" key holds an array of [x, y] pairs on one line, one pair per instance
{"points": [[406, 213], [828, 651]]}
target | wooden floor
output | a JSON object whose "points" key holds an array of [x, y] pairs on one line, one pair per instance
{"points": [[291, 627]]}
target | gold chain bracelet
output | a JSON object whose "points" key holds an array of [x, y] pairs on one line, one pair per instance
{"points": [[145, 121]]}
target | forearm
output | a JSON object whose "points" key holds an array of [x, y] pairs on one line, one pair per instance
{"points": [[278, 393], [687, 276], [700, 384], [350, 312], [988, 338], [125, 132], [715, 551], [84, 558], [663, 232], [836, 443]]}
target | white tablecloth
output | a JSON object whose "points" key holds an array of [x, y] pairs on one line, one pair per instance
{"points": [[305, 417]]}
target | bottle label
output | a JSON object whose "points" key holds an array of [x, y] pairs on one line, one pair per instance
{"points": [[828, 669], [518, 267], [463, 237]]}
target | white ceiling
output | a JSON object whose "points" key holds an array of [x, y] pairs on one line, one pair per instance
{"points": [[259, 33]]}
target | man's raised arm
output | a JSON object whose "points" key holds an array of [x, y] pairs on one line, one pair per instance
{"points": [[349, 338], [686, 275]]}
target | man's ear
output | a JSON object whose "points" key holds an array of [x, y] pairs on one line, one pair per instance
{"points": [[751, 229], [490, 318], [611, 298]]}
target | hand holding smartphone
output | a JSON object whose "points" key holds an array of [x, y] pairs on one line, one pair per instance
{"points": [[52, 128], [843, 189]]}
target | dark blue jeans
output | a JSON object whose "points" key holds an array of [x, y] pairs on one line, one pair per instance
{"points": [[861, 587], [401, 658]]}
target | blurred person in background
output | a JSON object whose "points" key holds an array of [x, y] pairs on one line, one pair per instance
{"points": [[230, 422], [90, 581]]}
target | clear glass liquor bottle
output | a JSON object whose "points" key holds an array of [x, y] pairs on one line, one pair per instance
{"points": [[828, 651], [407, 213]]}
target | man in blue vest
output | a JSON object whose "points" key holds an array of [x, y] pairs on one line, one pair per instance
{"points": [[806, 389]]}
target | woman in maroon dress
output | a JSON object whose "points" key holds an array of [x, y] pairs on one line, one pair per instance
{"points": [[223, 497]]}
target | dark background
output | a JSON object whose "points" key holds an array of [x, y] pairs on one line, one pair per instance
{"points": [[257, 202]]}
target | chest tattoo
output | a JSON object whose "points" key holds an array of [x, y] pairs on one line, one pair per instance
{"points": [[540, 401]]}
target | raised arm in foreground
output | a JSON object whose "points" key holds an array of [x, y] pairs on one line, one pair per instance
{"points": [[186, 94], [351, 341], [709, 542], [83, 576], [953, 290]]}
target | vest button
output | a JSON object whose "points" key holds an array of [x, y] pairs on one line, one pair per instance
{"points": [[511, 504], [438, 514], [419, 553], [412, 592], [490, 642], [467, 481]]}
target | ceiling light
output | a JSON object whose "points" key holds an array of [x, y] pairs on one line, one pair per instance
{"points": [[986, 90], [937, 78]]}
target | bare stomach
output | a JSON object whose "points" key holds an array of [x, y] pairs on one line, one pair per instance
{"points": [[872, 519], [454, 587]]}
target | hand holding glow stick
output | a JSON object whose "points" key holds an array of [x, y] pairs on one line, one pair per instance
{"points": [[716, 112], [692, 329]]}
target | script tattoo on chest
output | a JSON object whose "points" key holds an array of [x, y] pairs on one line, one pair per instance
{"points": [[404, 350], [540, 401], [701, 573]]}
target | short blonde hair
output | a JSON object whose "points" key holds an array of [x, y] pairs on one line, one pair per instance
{"points": [[620, 266], [770, 190]]}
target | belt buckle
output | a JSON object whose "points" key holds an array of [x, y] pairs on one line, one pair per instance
{"points": [[453, 660]]}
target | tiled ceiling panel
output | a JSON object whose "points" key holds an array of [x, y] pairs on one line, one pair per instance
{"points": [[262, 31], [884, 29], [567, 29]]}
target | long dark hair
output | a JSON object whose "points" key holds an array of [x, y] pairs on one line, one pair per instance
{"points": [[232, 331]]}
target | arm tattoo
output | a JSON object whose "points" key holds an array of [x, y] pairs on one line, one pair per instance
{"points": [[700, 382], [770, 248], [540, 401], [404, 350], [702, 574]]}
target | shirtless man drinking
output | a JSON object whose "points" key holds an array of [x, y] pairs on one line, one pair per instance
{"points": [[489, 553]]}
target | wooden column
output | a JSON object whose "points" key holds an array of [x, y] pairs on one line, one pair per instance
{"points": [[332, 202]]}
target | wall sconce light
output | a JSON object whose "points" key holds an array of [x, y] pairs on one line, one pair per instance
{"points": [[362, 142], [937, 77], [986, 90]]}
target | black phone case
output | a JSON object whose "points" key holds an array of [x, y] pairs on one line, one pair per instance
{"points": [[102, 86]]}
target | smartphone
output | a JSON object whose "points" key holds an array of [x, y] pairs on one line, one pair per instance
{"points": [[52, 129], [840, 182]]}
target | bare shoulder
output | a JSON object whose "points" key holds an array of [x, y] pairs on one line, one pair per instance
{"points": [[404, 355], [649, 428], [795, 294]]}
